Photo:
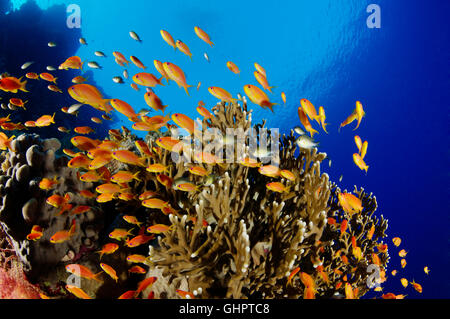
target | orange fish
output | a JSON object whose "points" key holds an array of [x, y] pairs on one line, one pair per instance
{"points": [[203, 35], [82, 271], [260, 69], [348, 120], [257, 96], [154, 101], [143, 148], [185, 294], [402, 253], [119, 233], [159, 229], [47, 184], [109, 270], [137, 270], [305, 122], [120, 58], [90, 177], [165, 180], [403, 263], [74, 62], [187, 187], [45, 120], [160, 68], [176, 74], [154, 203], [5, 141], [108, 249], [204, 112], [138, 240], [263, 81], [287, 175], [170, 144], [80, 161], [397, 241], [309, 109], [416, 286], [183, 48], [364, 149], [83, 130], [87, 194], [343, 228], [147, 79], [132, 220], [108, 188], [277, 187], [233, 68], [371, 232], [221, 94], [144, 284], [137, 62], [184, 122], [359, 113], [81, 209], [137, 258], [124, 108], [57, 201], [168, 38], [31, 124], [269, 170], [12, 84], [130, 294], [147, 195], [283, 97], [124, 177], [128, 157], [32, 76], [48, 77], [63, 235], [156, 168], [360, 162], [198, 170], [78, 79], [89, 94], [18, 102], [77, 292]]}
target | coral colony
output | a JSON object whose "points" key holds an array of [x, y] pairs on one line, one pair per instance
{"points": [[210, 208]]}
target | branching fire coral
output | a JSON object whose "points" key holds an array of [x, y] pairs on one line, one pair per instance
{"points": [[224, 229]]}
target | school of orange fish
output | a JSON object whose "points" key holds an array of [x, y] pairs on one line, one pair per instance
{"points": [[92, 155]]}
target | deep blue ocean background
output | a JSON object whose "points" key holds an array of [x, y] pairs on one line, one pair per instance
{"points": [[319, 50]]}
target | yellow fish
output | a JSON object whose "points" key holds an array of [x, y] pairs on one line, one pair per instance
{"points": [[305, 122], [360, 162], [176, 73], [203, 35], [168, 38], [257, 96]]}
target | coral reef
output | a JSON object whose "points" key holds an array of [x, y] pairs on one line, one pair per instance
{"points": [[228, 237], [23, 204]]}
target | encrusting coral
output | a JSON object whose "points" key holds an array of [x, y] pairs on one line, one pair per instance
{"points": [[229, 236]]}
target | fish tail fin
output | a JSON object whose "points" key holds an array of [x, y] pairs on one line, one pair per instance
{"points": [[96, 275], [211, 43], [186, 88], [159, 80], [54, 80], [312, 132], [135, 176], [23, 84], [324, 126]]}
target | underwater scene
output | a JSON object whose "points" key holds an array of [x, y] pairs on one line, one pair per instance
{"points": [[224, 149]]}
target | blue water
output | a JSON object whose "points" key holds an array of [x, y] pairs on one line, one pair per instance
{"points": [[322, 51]]}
